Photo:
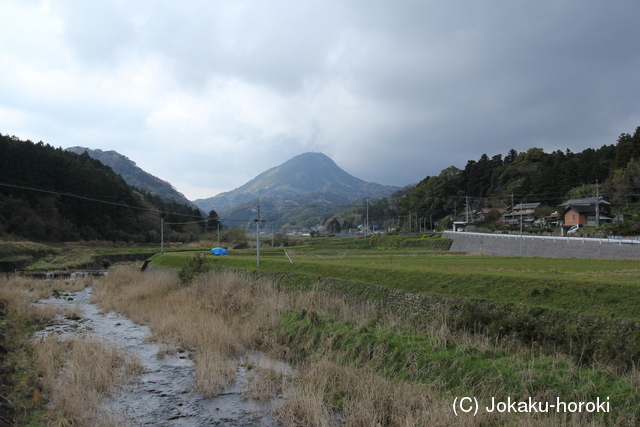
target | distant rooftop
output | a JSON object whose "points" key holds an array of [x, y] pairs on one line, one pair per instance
{"points": [[585, 202], [526, 206]]}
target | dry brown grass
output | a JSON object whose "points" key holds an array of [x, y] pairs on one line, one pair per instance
{"points": [[265, 383], [214, 372], [364, 399], [223, 315], [219, 315], [77, 374], [71, 376], [22, 292]]}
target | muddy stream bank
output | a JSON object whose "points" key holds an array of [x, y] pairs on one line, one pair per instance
{"points": [[164, 394]]}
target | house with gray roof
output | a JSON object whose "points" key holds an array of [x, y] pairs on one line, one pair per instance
{"points": [[590, 211]]}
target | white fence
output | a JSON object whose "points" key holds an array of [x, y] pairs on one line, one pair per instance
{"points": [[614, 240]]}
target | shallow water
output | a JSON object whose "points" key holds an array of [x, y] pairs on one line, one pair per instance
{"points": [[164, 394]]}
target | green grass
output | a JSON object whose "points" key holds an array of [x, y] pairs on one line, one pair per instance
{"points": [[57, 256], [606, 288], [14, 251], [460, 368], [427, 242]]}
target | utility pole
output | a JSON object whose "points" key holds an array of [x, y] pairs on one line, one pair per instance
{"points": [[597, 203], [466, 209], [161, 235], [521, 236], [512, 207], [258, 234], [366, 228], [218, 233]]}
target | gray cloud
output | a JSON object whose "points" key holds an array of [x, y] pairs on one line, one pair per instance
{"points": [[208, 94]]}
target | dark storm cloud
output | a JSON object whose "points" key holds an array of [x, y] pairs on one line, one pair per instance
{"points": [[393, 91]]}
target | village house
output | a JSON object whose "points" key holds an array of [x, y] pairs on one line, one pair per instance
{"points": [[591, 211], [554, 219], [525, 211]]}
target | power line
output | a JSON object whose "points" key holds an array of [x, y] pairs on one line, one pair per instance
{"points": [[90, 199], [36, 187], [189, 222]]}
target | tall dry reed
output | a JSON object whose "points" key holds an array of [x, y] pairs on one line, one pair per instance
{"points": [[21, 292], [222, 315], [77, 374]]}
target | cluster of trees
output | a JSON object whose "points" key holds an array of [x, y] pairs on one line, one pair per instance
{"points": [[495, 182], [382, 212], [531, 176], [49, 194]]}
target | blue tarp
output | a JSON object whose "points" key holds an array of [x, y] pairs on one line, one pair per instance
{"points": [[219, 251]]}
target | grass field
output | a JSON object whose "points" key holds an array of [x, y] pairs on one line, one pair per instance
{"points": [[359, 359], [461, 360], [372, 365], [599, 287]]}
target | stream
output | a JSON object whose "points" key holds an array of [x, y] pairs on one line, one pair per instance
{"points": [[163, 395]]}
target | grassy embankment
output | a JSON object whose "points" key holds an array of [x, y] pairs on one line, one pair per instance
{"points": [[449, 352], [540, 301], [358, 358], [78, 255], [605, 288]]}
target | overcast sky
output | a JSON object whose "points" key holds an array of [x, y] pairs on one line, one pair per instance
{"points": [[208, 94]]}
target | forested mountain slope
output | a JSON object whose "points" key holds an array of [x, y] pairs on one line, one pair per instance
{"points": [[531, 176], [49, 194], [134, 175]]}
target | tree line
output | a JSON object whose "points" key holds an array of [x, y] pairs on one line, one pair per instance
{"points": [[50, 194], [612, 171], [531, 176]]}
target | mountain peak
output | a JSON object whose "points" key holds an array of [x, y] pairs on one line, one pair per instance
{"points": [[305, 177]]}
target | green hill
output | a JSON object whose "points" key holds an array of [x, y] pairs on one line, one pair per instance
{"points": [[49, 194], [134, 175]]}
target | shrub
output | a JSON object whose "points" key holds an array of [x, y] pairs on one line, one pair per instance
{"points": [[235, 235], [195, 266]]}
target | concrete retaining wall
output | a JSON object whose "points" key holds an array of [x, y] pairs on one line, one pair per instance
{"points": [[560, 247]]}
